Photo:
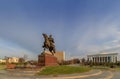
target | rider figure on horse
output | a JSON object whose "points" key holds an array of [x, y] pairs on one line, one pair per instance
{"points": [[49, 43], [51, 40]]}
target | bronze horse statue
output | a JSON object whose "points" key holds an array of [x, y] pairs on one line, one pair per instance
{"points": [[49, 43]]}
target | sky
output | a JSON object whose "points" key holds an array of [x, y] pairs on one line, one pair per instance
{"points": [[79, 27]]}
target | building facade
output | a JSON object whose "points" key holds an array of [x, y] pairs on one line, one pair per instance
{"points": [[60, 56], [12, 60], [2, 61], [103, 58]]}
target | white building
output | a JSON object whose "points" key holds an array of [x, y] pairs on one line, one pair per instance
{"points": [[12, 60], [103, 57], [2, 61]]}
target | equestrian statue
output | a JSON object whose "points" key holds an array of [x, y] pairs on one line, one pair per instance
{"points": [[49, 43]]}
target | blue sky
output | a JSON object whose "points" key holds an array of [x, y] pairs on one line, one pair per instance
{"points": [[79, 27]]}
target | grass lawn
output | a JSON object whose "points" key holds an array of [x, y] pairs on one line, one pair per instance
{"points": [[116, 69], [2, 67], [55, 70]]}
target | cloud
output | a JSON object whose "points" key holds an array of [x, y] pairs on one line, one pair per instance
{"points": [[115, 41], [11, 49], [100, 35], [77, 30]]}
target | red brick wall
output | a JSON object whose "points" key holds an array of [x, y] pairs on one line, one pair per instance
{"points": [[50, 60], [47, 60]]}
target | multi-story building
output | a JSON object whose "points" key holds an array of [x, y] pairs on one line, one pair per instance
{"points": [[12, 60], [60, 56], [103, 58], [2, 61]]}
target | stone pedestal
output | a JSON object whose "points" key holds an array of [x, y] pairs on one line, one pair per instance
{"points": [[46, 59]]}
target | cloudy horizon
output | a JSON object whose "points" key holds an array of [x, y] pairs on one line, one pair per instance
{"points": [[79, 27]]}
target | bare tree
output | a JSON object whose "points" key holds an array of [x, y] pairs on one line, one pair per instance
{"points": [[25, 57]]}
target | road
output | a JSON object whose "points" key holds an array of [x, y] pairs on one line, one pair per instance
{"points": [[94, 74]]}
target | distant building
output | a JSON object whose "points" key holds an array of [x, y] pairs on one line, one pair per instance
{"points": [[60, 56], [103, 58], [2, 61], [12, 60]]}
